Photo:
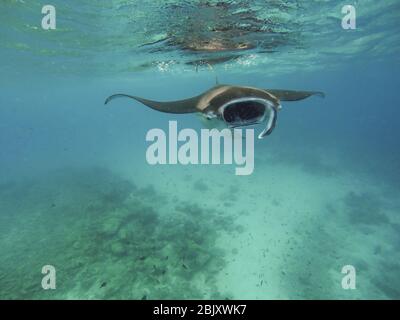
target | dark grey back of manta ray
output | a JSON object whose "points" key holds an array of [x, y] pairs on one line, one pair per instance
{"points": [[178, 106], [220, 93], [290, 95]]}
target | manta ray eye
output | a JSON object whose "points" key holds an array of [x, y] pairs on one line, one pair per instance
{"points": [[244, 112]]}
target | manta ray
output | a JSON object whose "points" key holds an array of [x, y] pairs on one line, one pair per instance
{"points": [[232, 106]]}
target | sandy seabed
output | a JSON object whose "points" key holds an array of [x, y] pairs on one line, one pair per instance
{"points": [[175, 232]]}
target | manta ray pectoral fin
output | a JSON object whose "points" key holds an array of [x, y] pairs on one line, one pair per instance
{"points": [[290, 95], [179, 106]]}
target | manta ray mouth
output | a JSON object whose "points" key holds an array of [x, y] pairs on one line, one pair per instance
{"points": [[249, 111]]}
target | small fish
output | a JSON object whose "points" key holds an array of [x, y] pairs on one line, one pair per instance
{"points": [[103, 284], [184, 266]]}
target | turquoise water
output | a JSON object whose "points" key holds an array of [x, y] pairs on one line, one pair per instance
{"points": [[77, 193]]}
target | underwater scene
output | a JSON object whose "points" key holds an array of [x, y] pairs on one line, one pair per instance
{"points": [[108, 189]]}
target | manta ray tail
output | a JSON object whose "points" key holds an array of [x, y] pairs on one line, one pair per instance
{"points": [[179, 106], [290, 95]]}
